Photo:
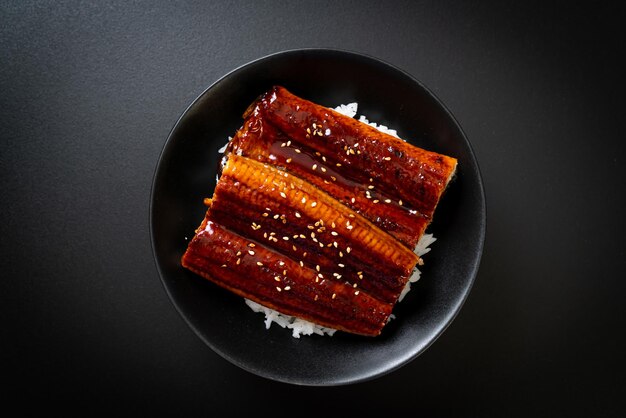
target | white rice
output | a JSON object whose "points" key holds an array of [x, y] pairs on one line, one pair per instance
{"points": [[300, 326]]}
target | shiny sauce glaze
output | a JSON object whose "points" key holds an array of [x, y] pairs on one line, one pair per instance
{"points": [[392, 183], [304, 240], [316, 214]]}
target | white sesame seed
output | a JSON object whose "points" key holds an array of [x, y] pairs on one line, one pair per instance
{"points": [[297, 150], [283, 195], [348, 249], [287, 287], [387, 200], [258, 263], [314, 167], [313, 204], [298, 215], [250, 252], [279, 289], [286, 238], [334, 233]]}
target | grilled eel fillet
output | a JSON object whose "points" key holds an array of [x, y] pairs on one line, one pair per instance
{"points": [[339, 257], [394, 184], [295, 249]]}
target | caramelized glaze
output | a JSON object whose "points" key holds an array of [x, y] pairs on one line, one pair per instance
{"points": [[395, 185], [316, 214]]}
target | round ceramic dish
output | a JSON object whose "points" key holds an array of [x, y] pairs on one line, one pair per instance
{"points": [[186, 173]]}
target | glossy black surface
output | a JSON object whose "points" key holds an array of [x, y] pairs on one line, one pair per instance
{"points": [[186, 174], [90, 93]]}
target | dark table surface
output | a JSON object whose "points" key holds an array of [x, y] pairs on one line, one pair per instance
{"points": [[89, 93]]}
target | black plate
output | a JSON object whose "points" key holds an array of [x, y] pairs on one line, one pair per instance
{"points": [[185, 174]]}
